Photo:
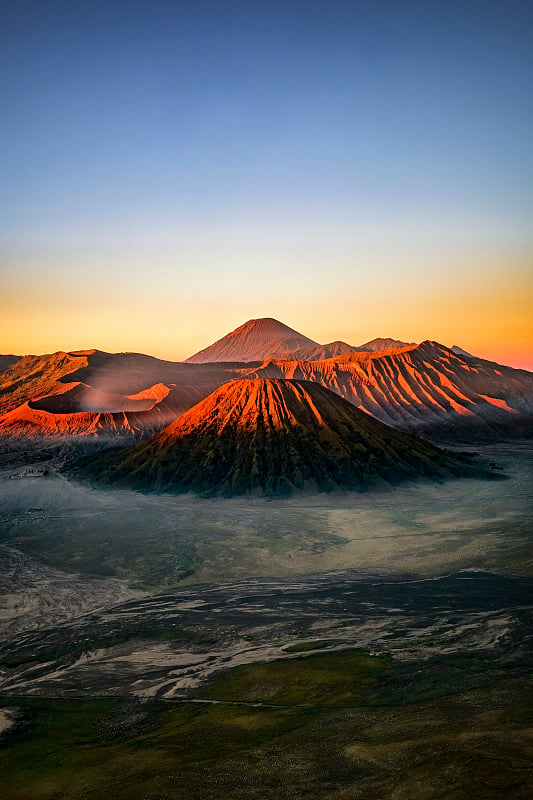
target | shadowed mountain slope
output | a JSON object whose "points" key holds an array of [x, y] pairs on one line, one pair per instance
{"points": [[7, 361], [256, 340], [274, 436]]}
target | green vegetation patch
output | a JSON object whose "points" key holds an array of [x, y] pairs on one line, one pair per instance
{"points": [[469, 744], [329, 679]]}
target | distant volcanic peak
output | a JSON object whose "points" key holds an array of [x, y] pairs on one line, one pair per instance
{"points": [[273, 436], [255, 340], [460, 352], [340, 346], [437, 350], [322, 351], [375, 345]]}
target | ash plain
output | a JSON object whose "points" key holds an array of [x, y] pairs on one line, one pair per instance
{"points": [[149, 598]]}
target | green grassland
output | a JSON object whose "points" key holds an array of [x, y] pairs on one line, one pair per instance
{"points": [[328, 725]]}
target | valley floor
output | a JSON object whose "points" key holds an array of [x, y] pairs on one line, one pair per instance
{"points": [[327, 646]]}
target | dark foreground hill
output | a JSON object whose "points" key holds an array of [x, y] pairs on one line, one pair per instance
{"points": [[273, 436]]}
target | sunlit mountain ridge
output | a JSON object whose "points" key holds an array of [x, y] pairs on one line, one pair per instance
{"points": [[424, 388]]}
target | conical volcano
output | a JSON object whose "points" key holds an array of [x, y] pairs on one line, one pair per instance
{"points": [[273, 436], [256, 340]]}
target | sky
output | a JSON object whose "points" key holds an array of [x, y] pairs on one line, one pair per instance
{"points": [[169, 170]]}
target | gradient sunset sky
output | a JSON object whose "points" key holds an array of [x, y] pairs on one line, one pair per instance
{"points": [[354, 169]]}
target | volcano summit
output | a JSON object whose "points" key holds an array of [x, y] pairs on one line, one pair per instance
{"points": [[256, 340]]}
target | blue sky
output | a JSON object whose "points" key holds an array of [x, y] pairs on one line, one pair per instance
{"points": [[221, 161]]}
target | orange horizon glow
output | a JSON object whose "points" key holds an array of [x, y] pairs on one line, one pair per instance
{"points": [[482, 306], [516, 351]]}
